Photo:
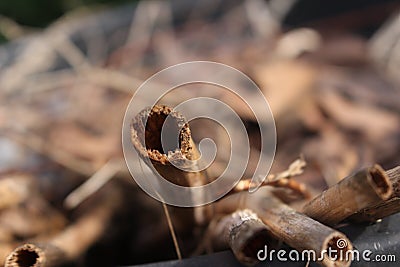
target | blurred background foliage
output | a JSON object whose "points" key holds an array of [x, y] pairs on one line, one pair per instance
{"points": [[40, 13]]}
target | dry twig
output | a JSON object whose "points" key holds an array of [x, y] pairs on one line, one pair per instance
{"points": [[146, 139], [383, 208], [282, 179], [245, 233], [285, 224], [74, 240], [354, 193], [296, 229]]}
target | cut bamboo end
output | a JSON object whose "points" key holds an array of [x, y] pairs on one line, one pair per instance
{"points": [[385, 207], [28, 255], [394, 177], [379, 181], [36, 255], [254, 240], [342, 246], [146, 136], [300, 231], [146, 130], [245, 234], [365, 188], [74, 240]]}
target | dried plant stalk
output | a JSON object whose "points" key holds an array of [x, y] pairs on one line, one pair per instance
{"points": [[285, 224], [146, 138], [282, 179], [365, 188], [151, 147], [394, 177], [384, 208], [298, 230], [35, 255], [245, 233], [73, 241]]}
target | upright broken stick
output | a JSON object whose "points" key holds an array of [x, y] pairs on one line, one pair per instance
{"points": [[146, 137]]}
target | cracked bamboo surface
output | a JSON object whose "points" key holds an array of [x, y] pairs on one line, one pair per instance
{"points": [[365, 188]]}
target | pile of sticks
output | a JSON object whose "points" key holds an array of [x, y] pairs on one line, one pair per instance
{"points": [[262, 217], [66, 195]]}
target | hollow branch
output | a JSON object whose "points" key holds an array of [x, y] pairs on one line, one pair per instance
{"points": [[146, 138], [244, 233], [146, 131], [284, 223], [73, 241], [298, 230], [394, 177], [365, 188], [31, 255], [384, 208]]}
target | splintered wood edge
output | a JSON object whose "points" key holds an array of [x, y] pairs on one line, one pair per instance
{"points": [[394, 177], [247, 235], [337, 241], [380, 182], [28, 255], [138, 128]]}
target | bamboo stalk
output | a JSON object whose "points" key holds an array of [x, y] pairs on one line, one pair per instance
{"points": [[151, 147], [244, 233], [73, 241], [31, 255], [394, 177], [379, 211], [285, 224], [365, 188], [383, 208], [298, 230], [146, 138]]}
